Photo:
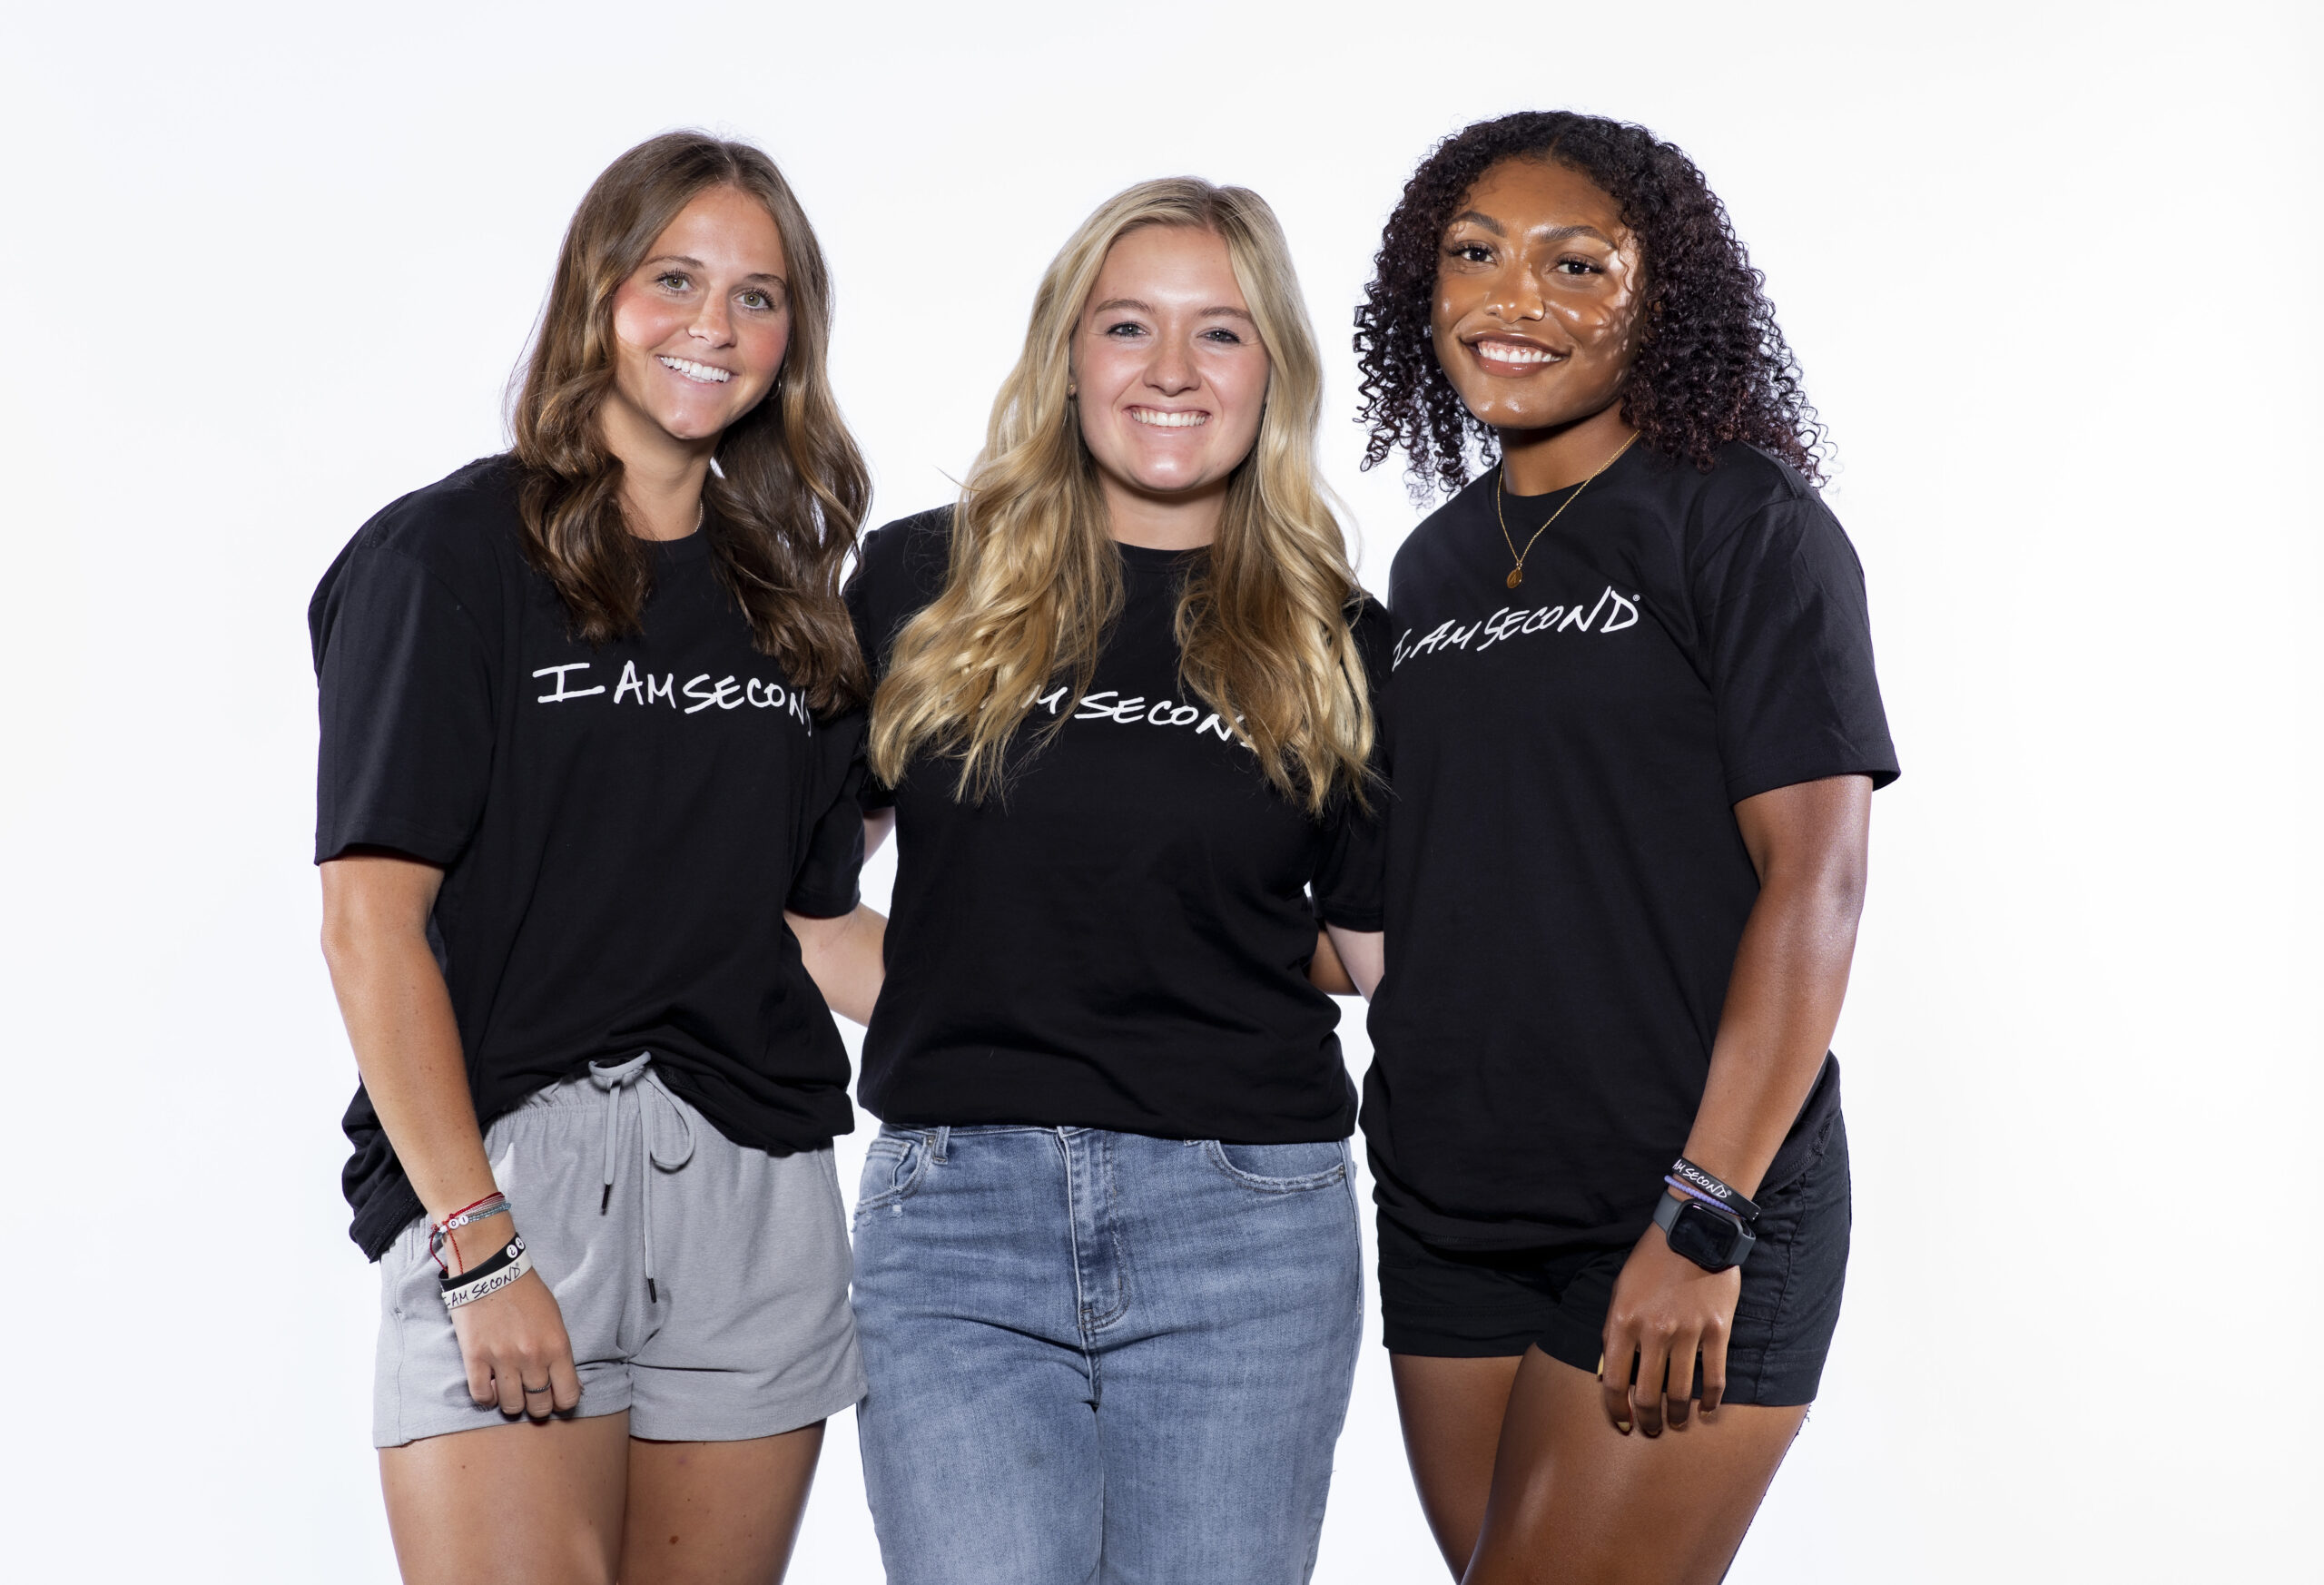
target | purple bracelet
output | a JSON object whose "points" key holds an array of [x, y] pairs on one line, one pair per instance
{"points": [[1691, 1192]]}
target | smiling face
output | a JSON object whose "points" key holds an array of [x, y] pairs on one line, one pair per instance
{"points": [[1538, 294], [1172, 380], [699, 328]]}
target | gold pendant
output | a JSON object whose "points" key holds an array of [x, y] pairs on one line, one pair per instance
{"points": [[1516, 575]]}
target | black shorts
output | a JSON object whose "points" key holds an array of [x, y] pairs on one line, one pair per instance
{"points": [[1469, 1304]]}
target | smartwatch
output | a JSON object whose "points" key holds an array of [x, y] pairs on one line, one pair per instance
{"points": [[1711, 1238]]}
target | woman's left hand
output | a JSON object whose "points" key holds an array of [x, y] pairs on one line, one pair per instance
{"points": [[1665, 1308]]}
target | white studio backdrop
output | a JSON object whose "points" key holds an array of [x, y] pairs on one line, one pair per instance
{"points": [[2051, 270]]}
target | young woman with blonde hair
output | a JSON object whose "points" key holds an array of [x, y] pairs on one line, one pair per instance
{"points": [[591, 721], [1108, 1276]]}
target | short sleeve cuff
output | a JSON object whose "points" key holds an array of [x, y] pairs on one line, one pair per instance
{"points": [[818, 904], [1752, 780], [412, 838]]}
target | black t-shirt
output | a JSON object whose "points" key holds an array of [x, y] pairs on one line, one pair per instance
{"points": [[1567, 885], [1120, 940], [620, 828]]}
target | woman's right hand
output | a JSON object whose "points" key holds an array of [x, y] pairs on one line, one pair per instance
{"points": [[513, 1340]]}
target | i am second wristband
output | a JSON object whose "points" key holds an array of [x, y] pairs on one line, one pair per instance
{"points": [[1712, 1188]]}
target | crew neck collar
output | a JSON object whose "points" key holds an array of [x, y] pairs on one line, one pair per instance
{"points": [[695, 546], [1621, 460], [1152, 558]]}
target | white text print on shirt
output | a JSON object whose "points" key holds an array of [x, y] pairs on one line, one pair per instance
{"points": [[725, 692], [1611, 614]]}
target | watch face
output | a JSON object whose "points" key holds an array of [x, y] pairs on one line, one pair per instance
{"points": [[1705, 1238]]}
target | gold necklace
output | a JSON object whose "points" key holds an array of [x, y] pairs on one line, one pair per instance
{"points": [[1500, 487]]}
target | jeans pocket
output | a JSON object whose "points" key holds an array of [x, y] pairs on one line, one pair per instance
{"points": [[1280, 1170], [892, 1166]]}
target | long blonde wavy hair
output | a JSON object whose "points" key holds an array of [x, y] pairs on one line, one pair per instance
{"points": [[1035, 580]]}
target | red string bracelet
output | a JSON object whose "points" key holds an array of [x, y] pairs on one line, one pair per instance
{"points": [[441, 1232]]}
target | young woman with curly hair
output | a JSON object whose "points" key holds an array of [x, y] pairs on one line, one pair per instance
{"points": [[1634, 732], [1108, 1270], [592, 732]]}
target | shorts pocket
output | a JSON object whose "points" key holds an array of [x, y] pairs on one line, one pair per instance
{"points": [[1280, 1170], [892, 1166], [410, 1269], [1793, 1225], [1767, 1271], [830, 1185]]}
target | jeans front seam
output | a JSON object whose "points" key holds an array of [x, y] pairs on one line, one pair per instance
{"points": [[1114, 1240], [1073, 1248]]}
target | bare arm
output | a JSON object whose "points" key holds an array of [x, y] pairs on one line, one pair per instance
{"points": [[1325, 972], [406, 1044], [1808, 843], [400, 1020], [1348, 962], [846, 956], [1791, 970]]}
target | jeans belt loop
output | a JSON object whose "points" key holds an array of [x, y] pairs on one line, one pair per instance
{"points": [[938, 1142]]}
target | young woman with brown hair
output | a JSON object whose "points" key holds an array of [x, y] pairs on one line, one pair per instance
{"points": [[1634, 730], [1108, 1271], [591, 725]]}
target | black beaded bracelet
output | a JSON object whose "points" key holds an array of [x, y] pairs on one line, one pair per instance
{"points": [[500, 1259], [1710, 1187]]}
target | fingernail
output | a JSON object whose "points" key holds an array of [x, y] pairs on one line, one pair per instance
{"points": [[1623, 1426]]}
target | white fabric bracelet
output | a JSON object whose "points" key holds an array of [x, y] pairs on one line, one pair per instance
{"points": [[470, 1293]]}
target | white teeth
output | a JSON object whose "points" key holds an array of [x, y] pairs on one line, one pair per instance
{"points": [[1505, 352], [1162, 421], [703, 373]]}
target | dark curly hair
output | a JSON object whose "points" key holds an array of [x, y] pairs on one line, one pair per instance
{"points": [[1710, 368]]}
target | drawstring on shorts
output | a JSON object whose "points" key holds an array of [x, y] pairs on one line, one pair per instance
{"points": [[640, 1079]]}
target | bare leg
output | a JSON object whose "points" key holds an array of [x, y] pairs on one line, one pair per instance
{"points": [[520, 1504], [717, 1512], [1452, 1411], [1575, 1503]]}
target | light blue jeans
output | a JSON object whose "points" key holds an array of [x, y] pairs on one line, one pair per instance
{"points": [[1101, 1357]]}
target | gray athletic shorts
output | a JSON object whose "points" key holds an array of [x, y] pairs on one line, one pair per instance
{"points": [[747, 1332]]}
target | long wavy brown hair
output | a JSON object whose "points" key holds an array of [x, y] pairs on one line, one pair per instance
{"points": [[1036, 581], [787, 489]]}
